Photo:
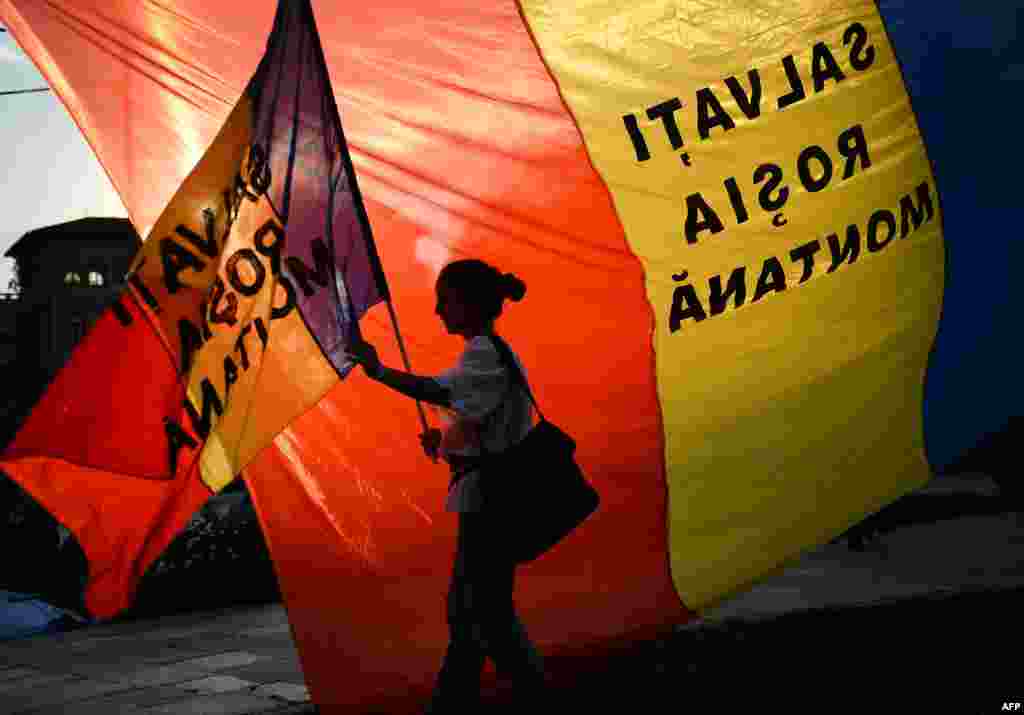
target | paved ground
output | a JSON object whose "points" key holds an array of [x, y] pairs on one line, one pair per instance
{"points": [[241, 661]]}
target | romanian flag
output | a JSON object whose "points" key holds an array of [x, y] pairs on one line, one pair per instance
{"points": [[730, 235], [233, 323]]}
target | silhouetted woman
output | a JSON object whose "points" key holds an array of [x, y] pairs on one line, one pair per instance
{"points": [[484, 405]]}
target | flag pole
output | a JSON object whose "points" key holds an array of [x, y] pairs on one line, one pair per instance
{"points": [[364, 220], [398, 336], [405, 358]]}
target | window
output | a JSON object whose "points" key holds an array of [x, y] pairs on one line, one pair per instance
{"points": [[72, 278], [95, 278]]}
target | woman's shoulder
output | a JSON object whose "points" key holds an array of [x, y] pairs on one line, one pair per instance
{"points": [[483, 351], [489, 344]]}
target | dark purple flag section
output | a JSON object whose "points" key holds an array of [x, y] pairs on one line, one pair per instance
{"points": [[329, 259]]}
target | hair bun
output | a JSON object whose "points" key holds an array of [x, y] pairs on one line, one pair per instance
{"points": [[514, 288]]}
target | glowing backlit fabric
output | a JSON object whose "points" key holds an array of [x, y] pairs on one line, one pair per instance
{"points": [[731, 241], [240, 324]]}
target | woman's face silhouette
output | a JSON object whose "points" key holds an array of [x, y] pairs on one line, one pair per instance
{"points": [[459, 317]]}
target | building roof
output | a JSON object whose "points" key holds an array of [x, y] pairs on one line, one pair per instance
{"points": [[93, 227]]}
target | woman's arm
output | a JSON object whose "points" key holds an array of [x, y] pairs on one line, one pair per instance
{"points": [[424, 389]]}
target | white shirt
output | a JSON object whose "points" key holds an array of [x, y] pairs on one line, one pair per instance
{"points": [[480, 395]]}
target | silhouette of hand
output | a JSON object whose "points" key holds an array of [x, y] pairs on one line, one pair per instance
{"points": [[365, 354], [431, 441]]}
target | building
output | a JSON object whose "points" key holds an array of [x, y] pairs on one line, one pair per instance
{"points": [[8, 350], [8, 328], [68, 274]]}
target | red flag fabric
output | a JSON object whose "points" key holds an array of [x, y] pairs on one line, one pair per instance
{"points": [[352, 511], [720, 450], [234, 321]]}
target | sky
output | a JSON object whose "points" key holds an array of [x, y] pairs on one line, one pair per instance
{"points": [[50, 175]]}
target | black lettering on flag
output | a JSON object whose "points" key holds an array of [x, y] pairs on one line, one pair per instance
{"points": [[321, 272], [176, 258], [230, 376], [805, 253], [879, 217], [923, 212], [700, 217], [205, 324], [240, 345], [693, 308], [259, 272], [242, 190], [803, 166], [666, 112], [710, 113], [176, 439], [773, 279], [824, 67], [228, 314], [773, 173], [261, 331], [736, 199], [271, 250], [191, 341], [636, 137], [849, 251], [749, 104], [232, 202], [853, 146], [277, 312], [207, 245], [861, 54], [259, 169], [735, 287], [211, 404], [796, 85]]}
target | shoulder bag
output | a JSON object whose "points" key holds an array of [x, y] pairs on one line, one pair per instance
{"points": [[536, 484]]}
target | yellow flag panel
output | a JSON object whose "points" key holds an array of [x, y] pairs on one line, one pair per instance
{"points": [[768, 170]]}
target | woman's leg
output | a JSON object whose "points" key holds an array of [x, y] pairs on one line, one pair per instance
{"points": [[458, 682], [492, 574], [483, 622]]}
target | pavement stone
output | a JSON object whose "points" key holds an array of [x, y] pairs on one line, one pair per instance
{"points": [[285, 691], [15, 672], [268, 671], [160, 675], [60, 694], [102, 667], [283, 629], [123, 701], [217, 684], [34, 683], [221, 661], [95, 707], [219, 704], [907, 562]]}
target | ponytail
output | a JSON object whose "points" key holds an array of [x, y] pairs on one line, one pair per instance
{"points": [[482, 284]]}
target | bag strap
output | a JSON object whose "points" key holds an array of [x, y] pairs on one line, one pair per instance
{"points": [[507, 359], [516, 374]]}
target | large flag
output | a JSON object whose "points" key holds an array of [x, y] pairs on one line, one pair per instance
{"points": [[730, 234], [775, 187], [233, 322]]}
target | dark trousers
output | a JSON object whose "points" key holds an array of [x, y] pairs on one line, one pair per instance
{"points": [[482, 622]]}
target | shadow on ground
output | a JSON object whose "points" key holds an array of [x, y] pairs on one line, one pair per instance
{"points": [[945, 653]]}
